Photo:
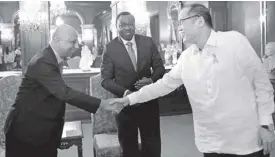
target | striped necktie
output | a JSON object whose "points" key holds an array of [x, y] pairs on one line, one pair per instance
{"points": [[132, 55]]}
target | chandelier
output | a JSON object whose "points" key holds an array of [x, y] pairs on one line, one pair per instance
{"points": [[31, 17], [57, 8]]}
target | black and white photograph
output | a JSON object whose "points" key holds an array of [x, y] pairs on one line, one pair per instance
{"points": [[137, 78]]}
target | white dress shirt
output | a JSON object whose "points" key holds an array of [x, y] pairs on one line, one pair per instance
{"points": [[134, 46], [228, 89]]}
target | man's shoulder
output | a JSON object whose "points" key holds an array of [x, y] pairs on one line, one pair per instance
{"points": [[143, 38], [113, 42], [232, 35], [43, 54]]}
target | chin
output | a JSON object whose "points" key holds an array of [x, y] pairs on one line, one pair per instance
{"points": [[128, 37]]}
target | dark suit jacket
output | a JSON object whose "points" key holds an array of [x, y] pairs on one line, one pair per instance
{"points": [[39, 108], [117, 70]]}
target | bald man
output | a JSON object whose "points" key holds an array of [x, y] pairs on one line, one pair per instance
{"points": [[34, 126]]}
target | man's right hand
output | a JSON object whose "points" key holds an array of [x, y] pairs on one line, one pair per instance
{"points": [[120, 101], [114, 107]]}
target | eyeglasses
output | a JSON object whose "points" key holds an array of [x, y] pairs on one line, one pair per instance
{"points": [[124, 25], [189, 17]]}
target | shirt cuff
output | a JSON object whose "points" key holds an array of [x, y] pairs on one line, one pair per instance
{"points": [[125, 93], [266, 120], [132, 99]]}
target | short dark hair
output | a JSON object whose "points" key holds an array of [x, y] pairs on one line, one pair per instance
{"points": [[123, 13], [201, 10]]}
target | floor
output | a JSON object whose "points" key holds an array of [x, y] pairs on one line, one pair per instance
{"points": [[177, 137]]}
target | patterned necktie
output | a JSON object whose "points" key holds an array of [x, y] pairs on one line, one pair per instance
{"points": [[132, 55]]}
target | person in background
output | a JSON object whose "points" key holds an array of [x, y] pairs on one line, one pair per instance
{"points": [[269, 65], [228, 88], [126, 67], [2, 66], [18, 57], [269, 61], [9, 59]]}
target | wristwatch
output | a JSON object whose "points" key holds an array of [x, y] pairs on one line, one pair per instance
{"points": [[269, 127]]}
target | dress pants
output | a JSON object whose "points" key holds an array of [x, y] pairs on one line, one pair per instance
{"points": [[144, 117], [18, 148], [256, 154]]}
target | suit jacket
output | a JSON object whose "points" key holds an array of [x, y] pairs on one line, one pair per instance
{"points": [[117, 70], [38, 112]]}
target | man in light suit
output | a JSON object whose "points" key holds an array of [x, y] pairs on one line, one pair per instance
{"points": [[34, 126], [126, 67]]}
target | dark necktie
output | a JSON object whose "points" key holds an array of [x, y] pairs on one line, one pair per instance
{"points": [[132, 55]]}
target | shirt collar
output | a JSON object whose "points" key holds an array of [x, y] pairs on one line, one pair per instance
{"points": [[125, 41], [211, 41], [58, 58]]}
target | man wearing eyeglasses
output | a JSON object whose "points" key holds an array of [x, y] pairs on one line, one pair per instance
{"points": [[228, 88], [126, 67]]}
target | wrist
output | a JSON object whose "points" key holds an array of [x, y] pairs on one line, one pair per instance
{"points": [[127, 102], [125, 93]]}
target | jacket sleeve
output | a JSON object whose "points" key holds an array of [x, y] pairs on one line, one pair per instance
{"points": [[156, 63], [47, 75], [107, 74]]}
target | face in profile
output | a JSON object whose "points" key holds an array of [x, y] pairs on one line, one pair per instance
{"points": [[69, 46], [126, 26], [187, 25]]}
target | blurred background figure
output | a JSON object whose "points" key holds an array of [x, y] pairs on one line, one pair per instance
{"points": [[9, 59], [269, 64], [87, 59], [2, 66], [269, 61], [18, 58]]}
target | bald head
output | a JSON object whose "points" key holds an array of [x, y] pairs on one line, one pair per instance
{"points": [[64, 32], [65, 40]]}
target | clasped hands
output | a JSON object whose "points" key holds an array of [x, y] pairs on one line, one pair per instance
{"points": [[117, 104]]}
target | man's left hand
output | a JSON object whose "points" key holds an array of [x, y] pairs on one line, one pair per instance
{"points": [[267, 139], [143, 82]]}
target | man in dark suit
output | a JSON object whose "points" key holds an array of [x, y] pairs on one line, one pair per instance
{"points": [[126, 67], [34, 126]]}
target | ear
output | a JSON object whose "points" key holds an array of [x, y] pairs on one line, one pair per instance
{"points": [[200, 21]]}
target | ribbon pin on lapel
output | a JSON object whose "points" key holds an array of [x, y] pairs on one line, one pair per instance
{"points": [[215, 60]]}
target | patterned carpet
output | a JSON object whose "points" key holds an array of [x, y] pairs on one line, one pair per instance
{"points": [[176, 132]]}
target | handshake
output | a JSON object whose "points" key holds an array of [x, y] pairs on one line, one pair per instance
{"points": [[115, 105]]}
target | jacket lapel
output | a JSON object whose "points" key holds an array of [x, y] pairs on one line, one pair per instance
{"points": [[139, 54], [49, 54]]}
